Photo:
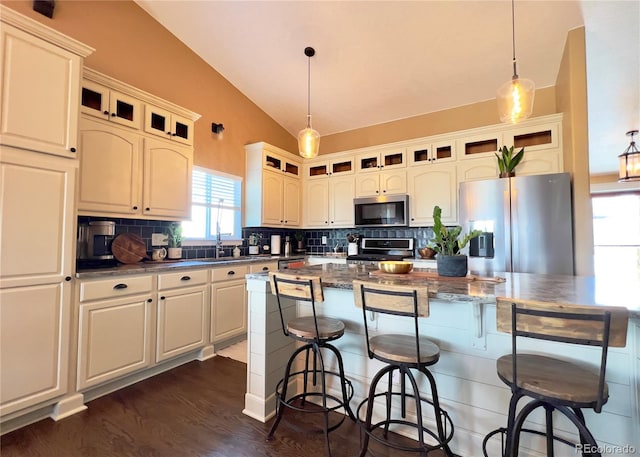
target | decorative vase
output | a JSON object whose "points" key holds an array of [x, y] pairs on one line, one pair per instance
{"points": [[174, 253], [507, 174], [452, 265]]}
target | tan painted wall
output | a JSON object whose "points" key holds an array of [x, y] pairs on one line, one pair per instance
{"points": [[571, 93], [451, 120], [132, 47]]}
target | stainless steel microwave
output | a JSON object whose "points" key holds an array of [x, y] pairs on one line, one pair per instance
{"points": [[382, 211]]}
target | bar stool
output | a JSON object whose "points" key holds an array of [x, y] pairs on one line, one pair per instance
{"points": [[315, 332], [553, 383], [401, 353]]}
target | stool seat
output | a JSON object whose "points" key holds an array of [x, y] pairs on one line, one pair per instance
{"points": [[540, 375], [402, 349], [305, 328]]}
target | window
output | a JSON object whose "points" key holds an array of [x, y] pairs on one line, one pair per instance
{"points": [[216, 206], [616, 235]]}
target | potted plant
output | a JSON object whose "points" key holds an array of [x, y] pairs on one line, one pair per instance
{"points": [[174, 240], [254, 243], [507, 161], [447, 242]]}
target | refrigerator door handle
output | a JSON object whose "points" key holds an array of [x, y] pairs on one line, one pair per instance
{"points": [[508, 232]]}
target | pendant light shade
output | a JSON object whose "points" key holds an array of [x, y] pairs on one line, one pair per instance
{"points": [[309, 139], [629, 161], [515, 97]]}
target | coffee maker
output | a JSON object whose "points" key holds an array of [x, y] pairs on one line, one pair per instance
{"points": [[94, 240]]}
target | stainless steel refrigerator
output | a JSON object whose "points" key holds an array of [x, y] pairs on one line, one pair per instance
{"points": [[527, 224]]}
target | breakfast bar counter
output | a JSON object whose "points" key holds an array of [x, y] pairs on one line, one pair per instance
{"points": [[462, 322]]}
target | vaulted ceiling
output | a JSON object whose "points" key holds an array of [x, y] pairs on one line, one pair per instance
{"points": [[378, 61]]}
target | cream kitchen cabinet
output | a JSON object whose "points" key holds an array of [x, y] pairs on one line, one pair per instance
{"points": [[377, 160], [430, 186], [115, 328], [228, 302], [476, 169], [161, 122], [273, 192], [337, 166], [125, 174], [37, 235], [431, 152], [40, 87], [183, 307], [263, 267], [381, 183], [480, 145], [110, 105], [328, 202]]}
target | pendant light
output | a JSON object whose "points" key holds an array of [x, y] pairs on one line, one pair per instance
{"points": [[515, 97], [309, 139], [630, 161]]}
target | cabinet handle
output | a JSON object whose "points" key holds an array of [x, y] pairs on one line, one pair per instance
{"points": [[332, 222], [135, 207], [147, 209], [162, 298], [113, 114], [149, 300], [185, 278], [230, 273], [413, 219], [265, 268], [326, 222], [120, 286], [67, 278], [169, 133], [105, 112], [73, 149], [377, 191], [384, 191], [173, 134]]}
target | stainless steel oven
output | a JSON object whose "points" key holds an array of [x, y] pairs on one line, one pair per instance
{"points": [[374, 250]]}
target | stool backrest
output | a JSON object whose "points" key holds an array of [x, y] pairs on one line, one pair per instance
{"points": [[567, 323], [397, 300], [296, 287]]}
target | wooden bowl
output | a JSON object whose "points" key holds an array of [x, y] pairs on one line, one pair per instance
{"points": [[427, 253], [395, 267]]}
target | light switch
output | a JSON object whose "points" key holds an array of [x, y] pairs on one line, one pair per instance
{"points": [[159, 239], [324, 240]]}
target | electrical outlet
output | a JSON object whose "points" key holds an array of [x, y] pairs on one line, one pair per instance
{"points": [[159, 239], [324, 240]]}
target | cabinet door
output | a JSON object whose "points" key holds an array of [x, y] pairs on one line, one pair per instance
{"points": [[37, 234], [228, 310], [181, 322], [110, 105], [393, 182], [272, 198], [110, 173], [316, 203], [292, 199], [114, 339], [473, 170], [539, 162], [34, 344], [431, 186], [40, 90], [368, 185], [158, 121], [341, 194], [167, 180]]}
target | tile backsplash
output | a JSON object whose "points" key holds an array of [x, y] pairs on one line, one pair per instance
{"points": [[312, 239]]}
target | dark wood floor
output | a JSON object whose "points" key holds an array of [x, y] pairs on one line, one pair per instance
{"points": [[194, 410]]}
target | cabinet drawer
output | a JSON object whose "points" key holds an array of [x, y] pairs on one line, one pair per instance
{"points": [[181, 279], [227, 273], [115, 287], [263, 267]]}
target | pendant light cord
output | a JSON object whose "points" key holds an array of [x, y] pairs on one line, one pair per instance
{"points": [[513, 38], [308, 91]]}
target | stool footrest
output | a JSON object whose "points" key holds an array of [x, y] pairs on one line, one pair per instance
{"points": [[503, 432]]}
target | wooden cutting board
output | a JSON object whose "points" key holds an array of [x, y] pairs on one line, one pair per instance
{"points": [[129, 248], [433, 275]]}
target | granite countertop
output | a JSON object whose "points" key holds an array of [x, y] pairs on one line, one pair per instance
{"points": [[168, 266], [585, 290]]}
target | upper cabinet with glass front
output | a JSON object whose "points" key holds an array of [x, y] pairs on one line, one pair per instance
{"points": [[379, 160], [158, 121], [100, 101], [336, 166], [432, 152]]}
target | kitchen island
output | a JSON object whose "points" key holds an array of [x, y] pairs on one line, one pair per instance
{"points": [[462, 322]]}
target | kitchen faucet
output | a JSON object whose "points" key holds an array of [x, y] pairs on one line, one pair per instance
{"points": [[219, 250]]}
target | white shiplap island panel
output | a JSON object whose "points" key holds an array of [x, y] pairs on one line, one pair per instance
{"points": [[462, 322]]}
